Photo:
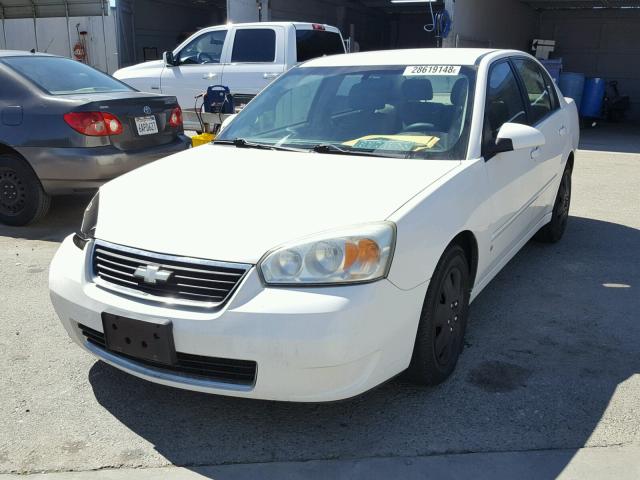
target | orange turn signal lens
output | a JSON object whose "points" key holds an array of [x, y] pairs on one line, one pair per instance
{"points": [[366, 252]]}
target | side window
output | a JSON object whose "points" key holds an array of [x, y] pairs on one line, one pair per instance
{"points": [[254, 45], [207, 48], [504, 101], [550, 86], [537, 92]]}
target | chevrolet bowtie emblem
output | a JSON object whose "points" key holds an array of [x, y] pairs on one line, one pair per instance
{"points": [[152, 274]]}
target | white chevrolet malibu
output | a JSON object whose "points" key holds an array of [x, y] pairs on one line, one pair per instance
{"points": [[334, 234]]}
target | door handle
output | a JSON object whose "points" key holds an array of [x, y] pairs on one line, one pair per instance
{"points": [[269, 75], [562, 131], [535, 153], [209, 76]]}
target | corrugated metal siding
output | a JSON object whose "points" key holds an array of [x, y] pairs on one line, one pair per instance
{"points": [[52, 8]]}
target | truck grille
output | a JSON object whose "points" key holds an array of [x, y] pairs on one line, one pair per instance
{"points": [[165, 278], [239, 372]]}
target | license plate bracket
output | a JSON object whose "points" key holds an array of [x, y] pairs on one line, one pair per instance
{"points": [[146, 125], [148, 341]]}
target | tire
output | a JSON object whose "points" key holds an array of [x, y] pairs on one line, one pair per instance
{"points": [[443, 320], [22, 198], [554, 230]]}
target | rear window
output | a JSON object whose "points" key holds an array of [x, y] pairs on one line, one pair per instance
{"points": [[254, 45], [316, 43], [63, 76]]}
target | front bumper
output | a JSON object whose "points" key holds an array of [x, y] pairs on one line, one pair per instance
{"points": [[70, 170], [316, 344]]}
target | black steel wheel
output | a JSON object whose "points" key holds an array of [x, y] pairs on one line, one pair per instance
{"points": [[554, 230], [443, 320], [22, 199]]}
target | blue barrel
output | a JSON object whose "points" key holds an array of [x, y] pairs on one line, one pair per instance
{"points": [[592, 97], [571, 85]]}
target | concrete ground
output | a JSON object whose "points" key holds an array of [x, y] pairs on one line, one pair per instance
{"points": [[552, 365]]}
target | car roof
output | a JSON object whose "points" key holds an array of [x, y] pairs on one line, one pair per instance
{"points": [[413, 56], [23, 53]]}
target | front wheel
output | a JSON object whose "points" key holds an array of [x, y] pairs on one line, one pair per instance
{"points": [[443, 320], [554, 230], [22, 199]]}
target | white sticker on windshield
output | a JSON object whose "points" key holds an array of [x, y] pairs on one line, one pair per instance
{"points": [[432, 70]]}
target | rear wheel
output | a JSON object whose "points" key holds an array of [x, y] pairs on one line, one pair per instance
{"points": [[22, 198], [554, 230], [443, 320]]}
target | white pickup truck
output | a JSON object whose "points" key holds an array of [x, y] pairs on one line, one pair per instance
{"points": [[246, 57]]}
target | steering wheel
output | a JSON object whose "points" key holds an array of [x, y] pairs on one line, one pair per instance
{"points": [[203, 57], [419, 127]]}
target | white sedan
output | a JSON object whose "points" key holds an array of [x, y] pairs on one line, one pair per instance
{"points": [[334, 234]]}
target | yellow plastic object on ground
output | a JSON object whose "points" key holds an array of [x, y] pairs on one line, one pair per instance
{"points": [[201, 139]]}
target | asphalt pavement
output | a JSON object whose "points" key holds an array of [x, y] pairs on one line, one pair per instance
{"points": [[552, 364]]}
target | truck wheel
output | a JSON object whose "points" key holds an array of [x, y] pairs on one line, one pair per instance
{"points": [[554, 230], [22, 198], [443, 320]]}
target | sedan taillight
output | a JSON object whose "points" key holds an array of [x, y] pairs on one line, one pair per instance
{"points": [[94, 124], [175, 119]]}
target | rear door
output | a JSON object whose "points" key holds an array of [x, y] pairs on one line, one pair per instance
{"points": [[257, 56], [545, 114], [510, 174], [200, 64]]}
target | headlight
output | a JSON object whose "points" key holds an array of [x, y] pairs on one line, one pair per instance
{"points": [[358, 254], [89, 221]]}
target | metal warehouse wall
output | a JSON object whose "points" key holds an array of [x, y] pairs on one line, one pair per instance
{"points": [[491, 23], [601, 43], [53, 37]]}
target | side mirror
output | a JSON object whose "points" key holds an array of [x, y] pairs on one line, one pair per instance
{"points": [[169, 59], [515, 136], [227, 121]]}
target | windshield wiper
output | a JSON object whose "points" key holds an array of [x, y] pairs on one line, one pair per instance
{"points": [[336, 150], [242, 143]]}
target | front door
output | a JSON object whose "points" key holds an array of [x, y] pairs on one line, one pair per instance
{"points": [[510, 174], [200, 64]]}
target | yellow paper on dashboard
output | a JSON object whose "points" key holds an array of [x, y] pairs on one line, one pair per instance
{"points": [[406, 142]]}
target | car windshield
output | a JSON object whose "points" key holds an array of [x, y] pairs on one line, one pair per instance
{"points": [[407, 111], [63, 76]]}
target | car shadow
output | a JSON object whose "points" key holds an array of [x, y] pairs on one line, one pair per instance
{"points": [[64, 218], [621, 137], [549, 342]]}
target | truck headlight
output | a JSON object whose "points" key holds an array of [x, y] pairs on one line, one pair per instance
{"points": [[89, 222], [356, 254]]}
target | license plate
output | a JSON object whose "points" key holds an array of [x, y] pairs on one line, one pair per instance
{"points": [[146, 125], [138, 339]]}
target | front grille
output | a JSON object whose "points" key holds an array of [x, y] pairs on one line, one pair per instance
{"points": [[238, 372], [190, 281]]}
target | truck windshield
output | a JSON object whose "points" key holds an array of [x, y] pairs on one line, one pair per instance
{"points": [[63, 76], [407, 111]]}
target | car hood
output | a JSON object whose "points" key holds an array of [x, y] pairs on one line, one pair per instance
{"points": [[235, 204], [124, 72]]}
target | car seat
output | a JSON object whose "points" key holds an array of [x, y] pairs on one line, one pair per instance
{"points": [[416, 105], [371, 114]]}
